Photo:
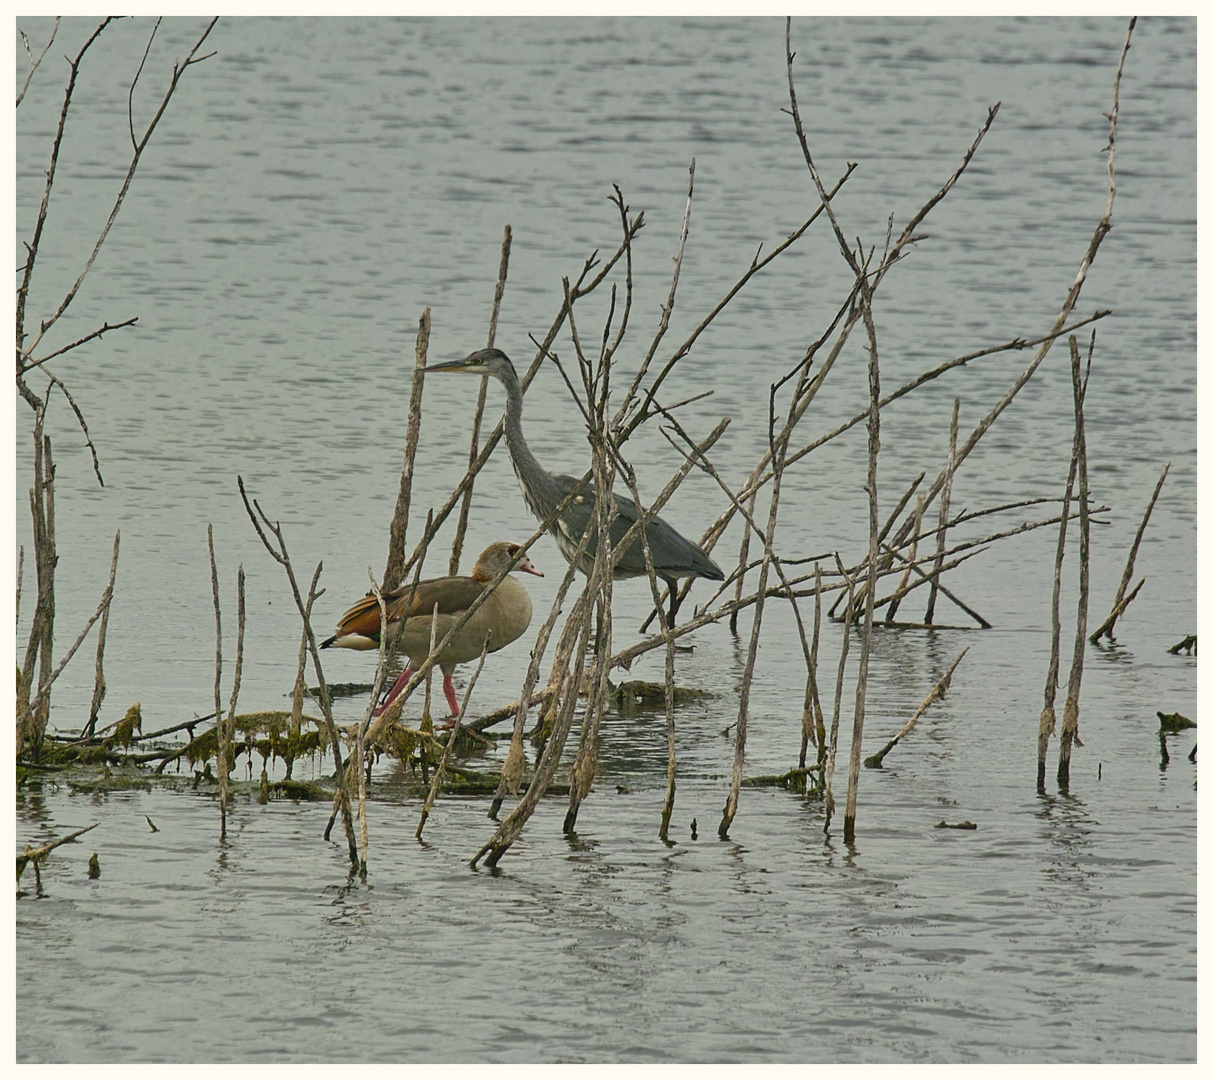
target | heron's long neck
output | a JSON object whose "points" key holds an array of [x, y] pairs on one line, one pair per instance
{"points": [[525, 465]]}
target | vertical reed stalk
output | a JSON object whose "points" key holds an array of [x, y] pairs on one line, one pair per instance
{"points": [[812, 723], [1048, 717], [945, 501], [1069, 721], [779, 448], [395, 571], [514, 766], [446, 750], [865, 647], [597, 390], [278, 552], [567, 666], [838, 682], [20, 578], [221, 743], [473, 451], [671, 769], [226, 729]]}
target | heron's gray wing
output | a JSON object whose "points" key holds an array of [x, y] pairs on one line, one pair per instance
{"points": [[673, 554]]}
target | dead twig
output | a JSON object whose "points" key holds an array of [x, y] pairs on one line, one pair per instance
{"points": [[938, 691], [1122, 601]]}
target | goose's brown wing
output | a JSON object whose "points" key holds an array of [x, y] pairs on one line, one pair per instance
{"points": [[452, 594]]}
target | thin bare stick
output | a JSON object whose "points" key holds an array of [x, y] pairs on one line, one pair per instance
{"points": [[20, 576], [33, 65], [227, 728], [446, 752], [44, 687], [730, 806], [395, 570], [32, 247], [281, 556], [465, 506], [567, 668], [865, 647], [1121, 602], [179, 69], [667, 809], [98, 671], [939, 690], [945, 501], [834, 721], [28, 365], [1069, 721], [221, 764]]}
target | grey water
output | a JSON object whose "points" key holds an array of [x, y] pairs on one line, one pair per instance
{"points": [[312, 187]]}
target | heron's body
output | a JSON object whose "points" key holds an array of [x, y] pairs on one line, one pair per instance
{"points": [[674, 556], [502, 618]]}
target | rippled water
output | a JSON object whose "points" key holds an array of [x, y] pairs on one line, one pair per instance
{"points": [[315, 184]]}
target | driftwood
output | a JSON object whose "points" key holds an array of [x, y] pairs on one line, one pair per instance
{"points": [[38, 854], [938, 691]]}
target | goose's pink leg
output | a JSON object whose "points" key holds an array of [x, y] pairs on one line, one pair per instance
{"points": [[448, 688], [394, 692]]}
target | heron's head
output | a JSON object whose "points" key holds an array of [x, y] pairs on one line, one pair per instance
{"points": [[482, 362]]}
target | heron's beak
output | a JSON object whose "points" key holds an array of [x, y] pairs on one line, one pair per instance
{"points": [[456, 365]]}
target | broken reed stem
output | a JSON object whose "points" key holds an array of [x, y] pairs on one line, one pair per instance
{"points": [[743, 708], [597, 391], [1121, 602], [811, 711], [41, 700], [226, 729], [446, 750], [834, 722], [20, 578], [945, 501], [395, 570], [221, 753], [1069, 722], [1048, 715], [938, 691], [33, 66], [36, 855], [567, 665], [98, 668], [903, 587], [865, 647], [473, 446], [35, 713], [514, 767], [281, 556], [671, 770]]}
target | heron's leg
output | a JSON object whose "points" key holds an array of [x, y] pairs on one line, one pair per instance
{"points": [[448, 688], [394, 692], [672, 584]]}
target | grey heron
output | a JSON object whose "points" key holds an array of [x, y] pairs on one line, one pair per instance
{"points": [[674, 556]]}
